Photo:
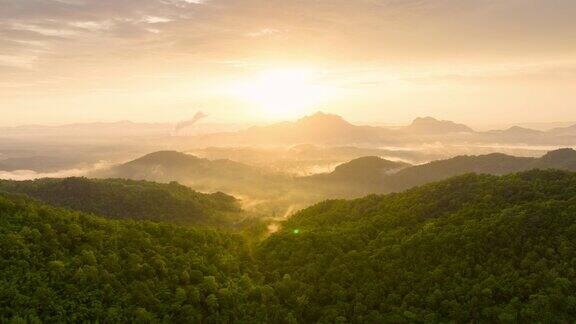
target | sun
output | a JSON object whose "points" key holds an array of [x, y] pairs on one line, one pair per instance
{"points": [[283, 93]]}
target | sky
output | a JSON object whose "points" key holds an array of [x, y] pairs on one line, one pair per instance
{"points": [[376, 61]]}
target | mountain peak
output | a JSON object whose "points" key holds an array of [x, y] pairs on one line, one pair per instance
{"points": [[426, 119], [560, 154], [367, 165], [433, 125], [321, 118], [518, 130], [162, 157]]}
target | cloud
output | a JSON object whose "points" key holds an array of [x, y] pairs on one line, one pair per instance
{"points": [[263, 32], [362, 29], [75, 46], [561, 71]]}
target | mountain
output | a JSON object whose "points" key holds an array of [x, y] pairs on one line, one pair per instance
{"points": [[62, 266], [356, 178], [307, 159], [364, 171], [333, 130], [258, 190], [429, 125], [496, 164], [116, 198], [564, 159], [564, 131], [319, 128], [278, 195], [557, 136], [167, 166], [517, 132], [476, 248], [373, 175], [371, 165], [329, 129], [545, 126]]}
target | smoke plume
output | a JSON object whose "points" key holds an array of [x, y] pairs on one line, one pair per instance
{"points": [[187, 123]]}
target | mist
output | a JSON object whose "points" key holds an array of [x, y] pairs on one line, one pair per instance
{"points": [[21, 175]]}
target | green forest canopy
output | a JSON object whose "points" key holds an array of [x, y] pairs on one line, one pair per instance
{"points": [[472, 248], [118, 198]]}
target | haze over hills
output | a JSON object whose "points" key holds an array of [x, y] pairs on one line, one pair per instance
{"points": [[430, 125], [123, 128], [251, 184], [515, 134], [278, 194], [56, 149], [407, 177], [320, 128], [118, 129], [328, 129], [564, 131], [169, 166], [308, 159], [366, 166], [287, 162]]}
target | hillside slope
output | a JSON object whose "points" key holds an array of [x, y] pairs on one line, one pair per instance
{"points": [[496, 164], [201, 174], [475, 248], [116, 198], [62, 266], [368, 175]]}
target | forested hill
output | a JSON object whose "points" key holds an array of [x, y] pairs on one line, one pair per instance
{"points": [[116, 198], [171, 165], [476, 248], [59, 266], [496, 163], [387, 176], [368, 169], [201, 174]]}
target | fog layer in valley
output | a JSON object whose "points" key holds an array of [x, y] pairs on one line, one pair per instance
{"points": [[277, 169]]}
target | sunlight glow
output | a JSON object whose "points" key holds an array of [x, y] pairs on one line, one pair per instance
{"points": [[285, 93]]}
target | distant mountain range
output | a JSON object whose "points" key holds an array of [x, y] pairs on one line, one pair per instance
{"points": [[319, 128], [356, 178], [429, 125], [376, 178], [166, 166], [328, 129], [308, 159], [123, 129], [99, 129], [241, 180]]}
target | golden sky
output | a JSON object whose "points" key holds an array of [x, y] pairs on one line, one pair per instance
{"points": [[381, 61]]}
